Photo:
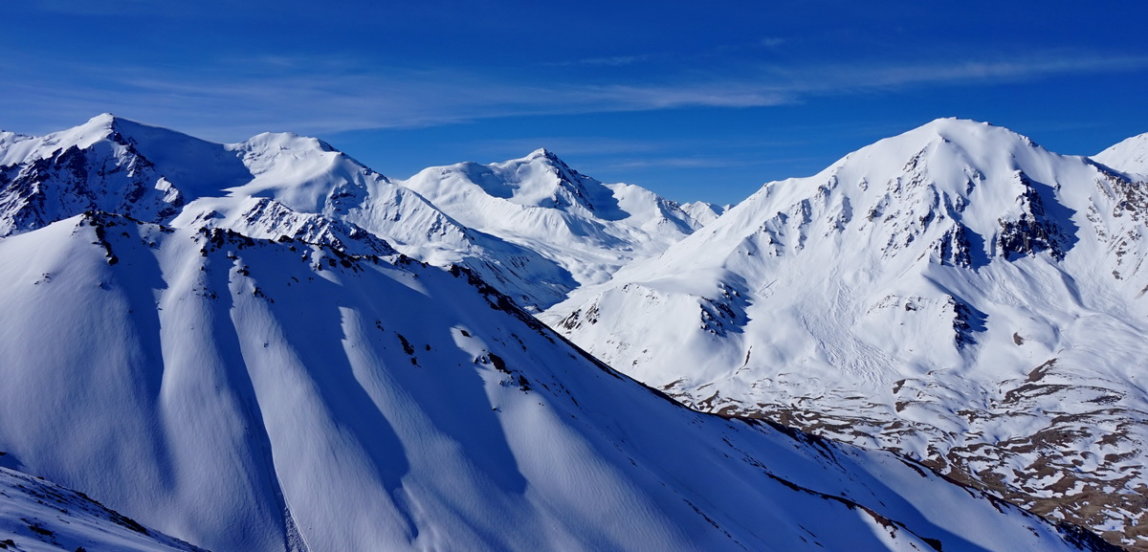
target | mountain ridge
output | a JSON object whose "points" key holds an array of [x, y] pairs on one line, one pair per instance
{"points": [[157, 175]]}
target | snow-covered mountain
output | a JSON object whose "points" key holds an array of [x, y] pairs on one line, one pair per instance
{"points": [[957, 293], [252, 394], [1129, 156], [704, 212], [219, 342], [40, 516], [589, 228], [533, 227], [157, 175], [94, 166]]}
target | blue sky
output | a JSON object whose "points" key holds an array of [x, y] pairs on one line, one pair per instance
{"points": [[693, 100]]}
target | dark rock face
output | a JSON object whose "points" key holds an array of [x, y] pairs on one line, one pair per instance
{"points": [[74, 180], [1038, 228]]}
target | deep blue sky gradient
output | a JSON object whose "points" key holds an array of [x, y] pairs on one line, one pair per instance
{"points": [[693, 100]]}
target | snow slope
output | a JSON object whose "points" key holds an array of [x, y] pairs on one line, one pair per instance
{"points": [[587, 227], [254, 394], [1130, 155], [40, 516], [957, 293]]}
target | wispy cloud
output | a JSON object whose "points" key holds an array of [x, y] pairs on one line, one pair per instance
{"points": [[771, 42], [984, 71], [608, 61], [117, 7], [678, 163], [230, 100]]}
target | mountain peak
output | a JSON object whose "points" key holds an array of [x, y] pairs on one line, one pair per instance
{"points": [[290, 140], [962, 124], [546, 157], [946, 147], [954, 129], [105, 124], [93, 130], [542, 152], [957, 122], [1130, 155], [111, 127], [104, 120], [101, 128]]}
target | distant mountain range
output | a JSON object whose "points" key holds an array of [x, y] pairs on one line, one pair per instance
{"points": [[533, 227], [269, 346]]}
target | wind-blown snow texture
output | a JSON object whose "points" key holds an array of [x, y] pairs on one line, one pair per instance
{"points": [[40, 516], [260, 392], [957, 293]]}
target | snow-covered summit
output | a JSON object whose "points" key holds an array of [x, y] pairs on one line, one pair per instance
{"points": [[19, 148], [587, 227], [1130, 155], [541, 179], [304, 173], [197, 164], [99, 165], [944, 292], [704, 212], [944, 182]]}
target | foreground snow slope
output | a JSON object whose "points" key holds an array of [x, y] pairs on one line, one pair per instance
{"points": [[957, 293], [248, 394], [589, 228], [40, 516]]}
